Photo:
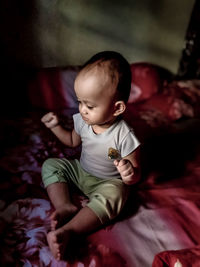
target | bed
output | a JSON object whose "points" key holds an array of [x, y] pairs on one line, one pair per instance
{"points": [[160, 223]]}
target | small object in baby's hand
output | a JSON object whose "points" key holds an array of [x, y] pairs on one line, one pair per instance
{"points": [[113, 153]]}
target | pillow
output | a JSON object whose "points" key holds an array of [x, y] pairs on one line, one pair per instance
{"points": [[147, 80], [53, 88], [175, 101], [172, 108]]}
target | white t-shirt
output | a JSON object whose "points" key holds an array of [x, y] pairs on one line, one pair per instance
{"points": [[94, 155]]}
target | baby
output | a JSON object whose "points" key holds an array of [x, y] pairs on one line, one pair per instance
{"points": [[102, 88]]}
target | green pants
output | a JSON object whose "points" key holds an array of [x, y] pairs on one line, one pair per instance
{"points": [[106, 196]]}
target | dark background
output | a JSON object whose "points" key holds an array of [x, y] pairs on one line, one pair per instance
{"points": [[43, 33]]}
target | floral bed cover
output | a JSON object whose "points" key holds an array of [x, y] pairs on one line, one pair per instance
{"points": [[160, 225]]}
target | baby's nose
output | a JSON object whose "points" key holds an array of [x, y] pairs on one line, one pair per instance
{"points": [[83, 110]]}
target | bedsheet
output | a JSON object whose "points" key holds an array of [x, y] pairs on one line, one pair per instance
{"points": [[160, 223]]}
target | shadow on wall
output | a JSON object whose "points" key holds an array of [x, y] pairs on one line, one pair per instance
{"points": [[51, 33], [43, 33], [19, 51], [17, 34]]}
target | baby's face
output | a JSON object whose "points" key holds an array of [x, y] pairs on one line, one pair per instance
{"points": [[96, 96]]}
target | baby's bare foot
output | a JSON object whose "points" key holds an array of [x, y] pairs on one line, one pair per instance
{"points": [[58, 241], [61, 215]]}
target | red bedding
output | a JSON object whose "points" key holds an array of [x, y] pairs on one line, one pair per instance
{"points": [[160, 224]]}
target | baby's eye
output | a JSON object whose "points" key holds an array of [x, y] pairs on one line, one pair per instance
{"points": [[89, 107]]}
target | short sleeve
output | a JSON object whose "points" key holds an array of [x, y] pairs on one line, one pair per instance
{"points": [[129, 144], [78, 123]]}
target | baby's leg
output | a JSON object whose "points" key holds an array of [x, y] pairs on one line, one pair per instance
{"points": [[64, 208], [84, 222], [107, 202], [55, 175]]}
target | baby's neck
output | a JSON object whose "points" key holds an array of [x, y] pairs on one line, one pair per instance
{"points": [[98, 129]]}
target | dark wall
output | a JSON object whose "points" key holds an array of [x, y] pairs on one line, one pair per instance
{"points": [[60, 32]]}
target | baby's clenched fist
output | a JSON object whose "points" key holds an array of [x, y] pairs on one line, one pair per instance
{"points": [[126, 170], [50, 120]]}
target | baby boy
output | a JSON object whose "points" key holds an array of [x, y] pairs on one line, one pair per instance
{"points": [[102, 88]]}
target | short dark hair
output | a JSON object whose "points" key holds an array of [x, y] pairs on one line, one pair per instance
{"points": [[117, 63]]}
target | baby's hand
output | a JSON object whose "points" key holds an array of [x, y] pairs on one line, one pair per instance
{"points": [[50, 120], [126, 170]]}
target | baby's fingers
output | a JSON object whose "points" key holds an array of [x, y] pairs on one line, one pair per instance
{"points": [[127, 172], [122, 162], [116, 162], [47, 117]]}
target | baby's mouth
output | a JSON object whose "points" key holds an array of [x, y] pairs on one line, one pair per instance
{"points": [[84, 118]]}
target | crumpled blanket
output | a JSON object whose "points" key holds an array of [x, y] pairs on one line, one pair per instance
{"points": [[161, 215]]}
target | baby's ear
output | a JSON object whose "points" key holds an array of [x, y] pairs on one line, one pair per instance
{"points": [[120, 107]]}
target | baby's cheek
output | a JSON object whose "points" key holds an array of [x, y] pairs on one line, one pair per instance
{"points": [[92, 115]]}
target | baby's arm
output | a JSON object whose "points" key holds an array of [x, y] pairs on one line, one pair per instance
{"points": [[129, 167], [69, 138]]}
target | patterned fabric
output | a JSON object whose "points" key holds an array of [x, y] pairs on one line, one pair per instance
{"points": [[161, 214]]}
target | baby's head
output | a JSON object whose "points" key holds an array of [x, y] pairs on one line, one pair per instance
{"points": [[103, 84], [115, 68]]}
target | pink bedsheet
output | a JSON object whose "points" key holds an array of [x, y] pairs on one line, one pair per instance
{"points": [[160, 224]]}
